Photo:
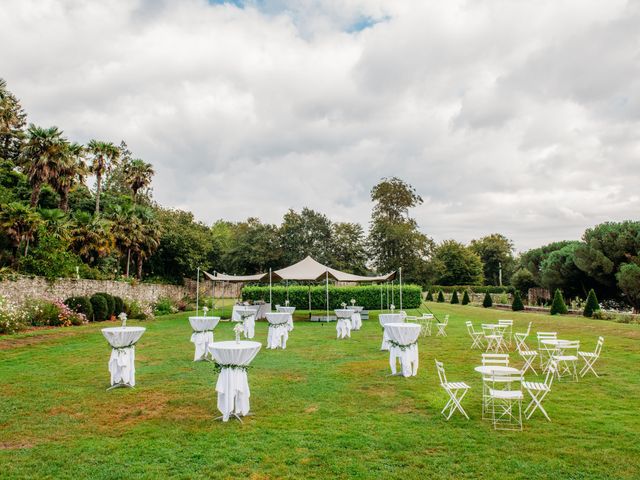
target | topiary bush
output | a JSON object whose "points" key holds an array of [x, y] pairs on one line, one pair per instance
{"points": [[80, 305], [440, 297], [429, 297], [558, 306], [517, 304], [119, 305], [592, 305], [100, 307], [465, 298], [111, 304], [487, 302], [454, 298]]}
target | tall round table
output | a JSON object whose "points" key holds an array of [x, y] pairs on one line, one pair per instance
{"points": [[232, 386], [356, 319], [278, 332], [123, 354], [385, 318], [403, 346], [248, 318], [343, 326], [202, 335], [288, 310]]}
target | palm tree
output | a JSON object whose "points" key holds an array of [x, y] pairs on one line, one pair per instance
{"points": [[57, 223], [72, 172], [137, 174], [43, 156], [20, 224], [125, 230], [147, 239], [105, 155], [91, 237]]}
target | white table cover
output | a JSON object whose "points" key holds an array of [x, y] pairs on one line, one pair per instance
{"points": [[202, 335], [246, 315], [343, 326], [232, 385], [261, 310], [356, 319], [278, 331], [403, 334], [288, 310], [123, 354], [385, 318]]}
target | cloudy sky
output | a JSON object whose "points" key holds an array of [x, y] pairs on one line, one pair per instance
{"points": [[511, 116]]}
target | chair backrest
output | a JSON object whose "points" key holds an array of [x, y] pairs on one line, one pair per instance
{"points": [[427, 315], [551, 370], [446, 319], [599, 346], [505, 322], [569, 347], [441, 374], [529, 329], [469, 327], [506, 378], [546, 336], [501, 359]]}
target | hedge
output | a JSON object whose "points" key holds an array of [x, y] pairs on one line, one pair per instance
{"points": [[80, 305], [99, 306], [367, 296], [470, 288]]}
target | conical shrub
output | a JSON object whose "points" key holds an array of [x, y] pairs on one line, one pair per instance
{"points": [[465, 298], [429, 296], [517, 304], [454, 297], [487, 302], [558, 306], [592, 304], [440, 297]]}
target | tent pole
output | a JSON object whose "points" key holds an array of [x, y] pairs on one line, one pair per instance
{"points": [[381, 297], [393, 297], [400, 269], [387, 295], [213, 295], [309, 300], [270, 295], [327, 289], [198, 292], [286, 282]]}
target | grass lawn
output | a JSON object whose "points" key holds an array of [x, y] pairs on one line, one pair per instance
{"points": [[323, 408]]}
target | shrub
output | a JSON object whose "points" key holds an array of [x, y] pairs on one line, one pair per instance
{"points": [[517, 304], [119, 305], [12, 319], [100, 307], [429, 297], [558, 305], [111, 304], [135, 309], [80, 305], [465, 298], [41, 313], [487, 302], [66, 316], [164, 306], [454, 298], [367, 296], [592, 304], [440, 297], [472, 288]]}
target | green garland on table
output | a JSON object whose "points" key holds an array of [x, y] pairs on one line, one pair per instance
{"points": [[218, 367], [202, 331], [278, 325], [125, 347], [401, 346]]}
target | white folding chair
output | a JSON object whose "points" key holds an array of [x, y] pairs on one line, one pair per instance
{"points": [[566, 358], [442, 326], [476, 337], [456, 391], [529, 357], [538, 391], [506, 404], [508, 330], [521, 337], [494, 338], [490, 359], [590, 358], [546, 351]]}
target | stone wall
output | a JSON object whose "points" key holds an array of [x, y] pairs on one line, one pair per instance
{"points": [[19, 288]]}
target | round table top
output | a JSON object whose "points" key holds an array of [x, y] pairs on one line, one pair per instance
{"points": [[277, 317], [285, 309], [203, 323], [119, 337], [234, 353], [489, 369], [355, 308], [555, 341], [344, 312], [407, 326], [384, 318], [233, 345]]}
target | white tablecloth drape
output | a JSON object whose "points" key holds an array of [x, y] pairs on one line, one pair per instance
{"points": [[278, 332], [403, 345], [385, 318], [288, 310], [261, 310], [202, 335], [232, 385], [246, 315], [123, 354], [343, 326]]}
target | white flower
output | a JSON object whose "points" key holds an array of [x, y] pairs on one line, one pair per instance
{"points": [[239, 328], [122, 316], [392, 307]]}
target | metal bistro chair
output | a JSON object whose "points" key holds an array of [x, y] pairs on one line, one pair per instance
{"points": [[442, 326], [426, 321], [590, 358], [493, 337], [566, 357], [538, 391], [456, 392], [506, 403], [508, 331], [490, 359], [546, 351], [476, 337], [521, 338]]}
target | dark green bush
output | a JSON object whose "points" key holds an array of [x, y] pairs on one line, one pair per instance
{"points": [[465, 298], [440, 297], [558, 305], [471, 288], [100, 307], [119, 305], [517, 304], [367, 296], [487, 302], [111, 304], [429, 297], [80, 305], [454, 298], [592, 304]]}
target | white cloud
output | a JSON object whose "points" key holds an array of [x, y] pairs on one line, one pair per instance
{"points": [[516, 117]]}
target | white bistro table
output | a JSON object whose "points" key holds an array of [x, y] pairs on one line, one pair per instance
{"points": [[343, 326], [232, 385], [278, 332], [202, 335], [356, 318], [288, 310], [403, 345], [385, 318], [123, 354], [246, 315]]}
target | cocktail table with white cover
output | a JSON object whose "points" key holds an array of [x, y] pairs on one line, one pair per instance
{"points": [[385, 318], [343, 326], [278, 331], [202, 335], [123, 354], [356, 319], [288, 310], [403, 345], [246, 315], [232, 385]]}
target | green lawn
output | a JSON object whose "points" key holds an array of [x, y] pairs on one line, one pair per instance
{"points": [[323, 408]]}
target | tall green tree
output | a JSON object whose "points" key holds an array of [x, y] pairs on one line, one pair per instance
{"points": [[104, 156], [138, 175], [349, 251], [559, 271], [20, 223], [91, 237], [13, 120], [256, 247], [306, 233], [496, 253], [458, 264], [71, 172], [629, 282], [532, 259]]}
